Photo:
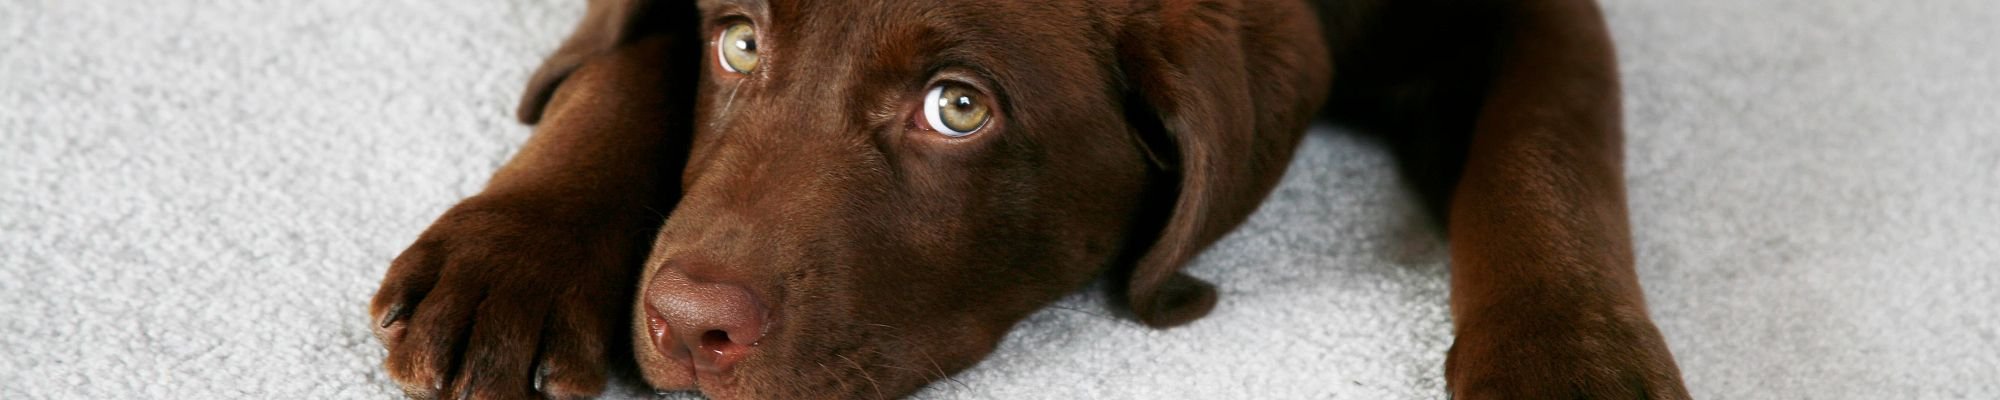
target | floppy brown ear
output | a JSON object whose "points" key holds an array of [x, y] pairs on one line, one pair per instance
{"points": [[1231, 136], [606, 24]]}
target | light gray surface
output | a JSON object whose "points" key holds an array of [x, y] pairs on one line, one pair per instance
{"points": [[197, 197]]}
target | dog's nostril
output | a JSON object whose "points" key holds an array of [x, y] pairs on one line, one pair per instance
{"points": [[662, 335], [716, 340]]}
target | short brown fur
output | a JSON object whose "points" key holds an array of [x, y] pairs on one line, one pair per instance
{"points": [[1129, 136]]}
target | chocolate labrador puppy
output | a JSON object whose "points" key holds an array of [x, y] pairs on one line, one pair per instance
{"points": [[780, 199]]}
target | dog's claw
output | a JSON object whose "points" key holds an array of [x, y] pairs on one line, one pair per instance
{"points": [[396, 312], [541, 375]]}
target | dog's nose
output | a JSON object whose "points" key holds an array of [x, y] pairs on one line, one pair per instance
{"points": [[711, 325]]}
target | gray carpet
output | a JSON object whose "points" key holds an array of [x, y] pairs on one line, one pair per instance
{"points": [[197, 197]]}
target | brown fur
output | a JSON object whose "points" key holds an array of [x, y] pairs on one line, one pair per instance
{"points": [[1128, 136]]}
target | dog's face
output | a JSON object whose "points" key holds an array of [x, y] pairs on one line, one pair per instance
{"points": [[876, 192], [882, 192]]}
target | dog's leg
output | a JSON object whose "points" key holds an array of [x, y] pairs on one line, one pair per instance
{"points": [[1505, 116], [1544, 296], [524, 290]]}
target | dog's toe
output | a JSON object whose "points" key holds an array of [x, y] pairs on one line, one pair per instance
{"points": [[428, 343], [569, 366]]}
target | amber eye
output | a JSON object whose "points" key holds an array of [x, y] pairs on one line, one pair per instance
{"points": [[955, 110], [736, 48]]}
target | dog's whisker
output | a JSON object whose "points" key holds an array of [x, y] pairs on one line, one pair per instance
{"points": [[864, 375], [728, 104], [829, 372], [922, 351], [940, 370]]}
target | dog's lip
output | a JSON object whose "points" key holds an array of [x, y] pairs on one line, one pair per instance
{"points": [[707, 372]]}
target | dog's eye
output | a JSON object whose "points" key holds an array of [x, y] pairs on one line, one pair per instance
{"points": [[736, 47], [955, 110]]}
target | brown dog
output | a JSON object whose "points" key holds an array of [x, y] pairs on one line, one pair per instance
{"points": [[789, 199]]}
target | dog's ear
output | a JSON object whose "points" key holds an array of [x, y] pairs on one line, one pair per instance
{"points": [[606, 24], [1186, 61]]}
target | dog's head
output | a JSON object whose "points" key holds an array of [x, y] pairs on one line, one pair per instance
{"points": [[878, 191]]}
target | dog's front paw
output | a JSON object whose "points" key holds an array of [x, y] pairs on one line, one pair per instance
{"points": [[1607, 355], [505, 299]]}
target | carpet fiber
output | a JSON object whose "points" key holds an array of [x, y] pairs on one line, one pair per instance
{"points": [[197, 198]]}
